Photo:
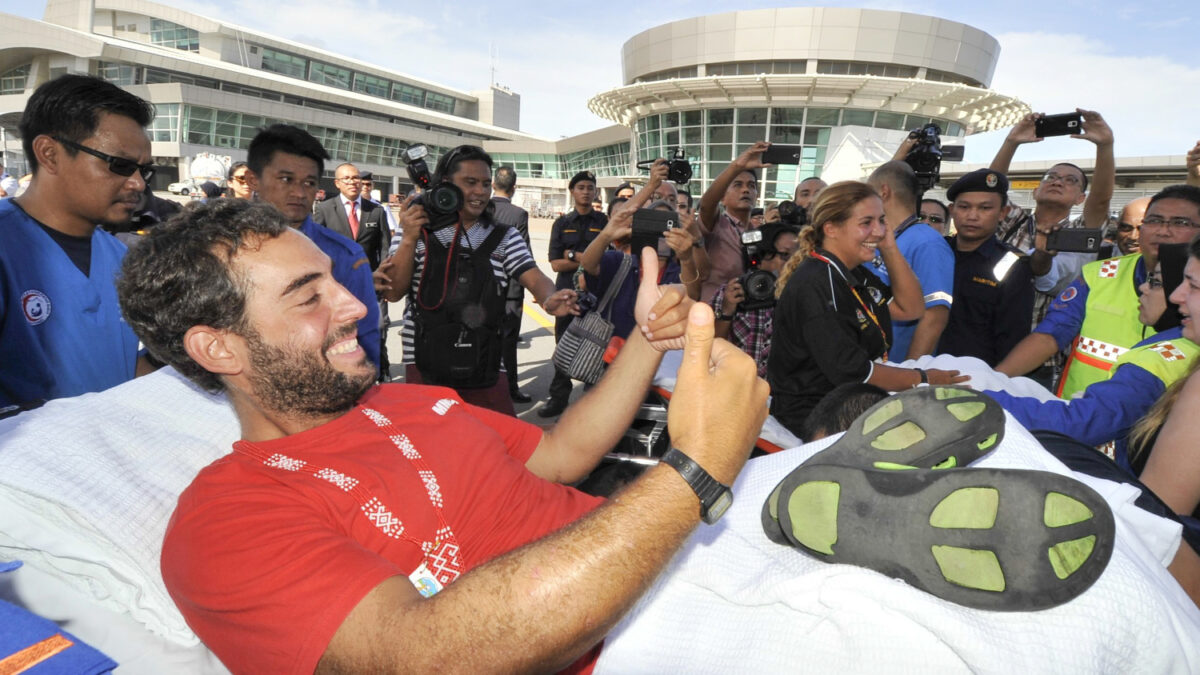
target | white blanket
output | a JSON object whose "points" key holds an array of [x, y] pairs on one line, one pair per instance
{"points": [[88, 484], [733, 601]]}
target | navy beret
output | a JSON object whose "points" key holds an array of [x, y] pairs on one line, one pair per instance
{"points": [[980, 180], [582, 175]]}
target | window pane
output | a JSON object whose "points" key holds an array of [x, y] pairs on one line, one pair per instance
{"points": [[720, 116], [790, 135], [816, 136], [720, 134], [752, 116], [787, 115], [889, 120], [862, 118], [823, 116], [692, 118]]}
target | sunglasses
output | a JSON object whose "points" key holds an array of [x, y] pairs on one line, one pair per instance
{"points": [[121, 166]]}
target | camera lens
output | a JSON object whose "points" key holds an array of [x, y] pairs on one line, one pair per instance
{"points": [[760, 285], [445, 198]]}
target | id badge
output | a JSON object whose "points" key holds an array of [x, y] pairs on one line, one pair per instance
{"points": [[424, 581]]}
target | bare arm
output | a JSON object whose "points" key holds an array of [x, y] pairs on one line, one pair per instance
{"points": [[543, 605], [711, 199], [1022, 132], [1031, 352], [1193, 165], [908, 302], [1173, 468], [616, 228], [1096, 130], [928, 331], [397, 277], [893, 378]]}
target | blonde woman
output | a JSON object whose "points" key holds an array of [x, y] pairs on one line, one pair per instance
{"points": [[833, 318]]}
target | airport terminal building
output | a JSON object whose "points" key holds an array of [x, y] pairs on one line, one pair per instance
{"points": [[846, 84]]}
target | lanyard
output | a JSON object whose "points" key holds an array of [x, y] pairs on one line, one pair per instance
{"points": [[861, 303], [441, 554]]}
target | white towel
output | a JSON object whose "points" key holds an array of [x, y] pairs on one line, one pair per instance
{"points": [[88, 484], [733, 601]]}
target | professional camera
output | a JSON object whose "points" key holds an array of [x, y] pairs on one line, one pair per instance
{"points": [[926, 156], [758, 284], [679, 170], [791, 213], [441, 201]]}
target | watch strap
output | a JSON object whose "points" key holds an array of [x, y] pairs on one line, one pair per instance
{"points": [[711, 491]]}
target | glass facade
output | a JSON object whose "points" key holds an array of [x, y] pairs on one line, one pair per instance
{"points": [[229, 129], [165, 126], [167, 34], [335, 76], [713, 137], [608, 160], [13, 81]]}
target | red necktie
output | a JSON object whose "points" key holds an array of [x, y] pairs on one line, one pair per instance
{"points": [[354, 220]]}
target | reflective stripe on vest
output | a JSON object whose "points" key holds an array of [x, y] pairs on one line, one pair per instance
{"points": [[1110, 323]]}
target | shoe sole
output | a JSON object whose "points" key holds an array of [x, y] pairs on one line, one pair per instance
{"points": [[994, 539], [939, 427]]}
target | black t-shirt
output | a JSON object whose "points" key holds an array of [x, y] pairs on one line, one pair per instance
{"points": [[824, 335], [573, 232]]}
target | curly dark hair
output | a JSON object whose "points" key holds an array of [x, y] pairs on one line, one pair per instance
{"points": [[179, 276]]}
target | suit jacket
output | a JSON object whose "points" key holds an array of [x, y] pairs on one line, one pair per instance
{"points": [[373, 233], [513, 216]]}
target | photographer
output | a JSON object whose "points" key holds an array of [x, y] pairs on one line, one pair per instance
{"points": [[459, 245], [603, 256], [736, 189], [748, 327]]}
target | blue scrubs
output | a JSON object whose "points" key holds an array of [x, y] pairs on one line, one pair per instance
{"points": [[61, 333], [351, 269]]}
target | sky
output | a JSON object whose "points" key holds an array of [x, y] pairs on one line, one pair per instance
{"points": [[1132, 62]]}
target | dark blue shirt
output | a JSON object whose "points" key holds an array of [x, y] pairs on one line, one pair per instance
{"points": [[352, 270], [621, 311]]}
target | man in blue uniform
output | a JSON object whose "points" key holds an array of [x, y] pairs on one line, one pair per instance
{"points": [[993, 284], [286, 163], [61, 330]]}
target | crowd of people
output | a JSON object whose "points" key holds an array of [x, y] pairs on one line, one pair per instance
{"points": [[281, 305]]}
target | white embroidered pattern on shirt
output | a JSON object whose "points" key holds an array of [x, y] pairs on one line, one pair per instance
{"points": [[284, 462], [346, 483], [443, 405]]}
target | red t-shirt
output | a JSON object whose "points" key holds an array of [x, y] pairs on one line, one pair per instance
{"points": [[266, 558]]}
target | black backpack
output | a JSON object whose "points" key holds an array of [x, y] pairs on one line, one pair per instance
{"points": [[458, 314]]}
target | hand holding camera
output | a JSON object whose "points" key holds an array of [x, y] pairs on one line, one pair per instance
{"points": [[442, 200]]}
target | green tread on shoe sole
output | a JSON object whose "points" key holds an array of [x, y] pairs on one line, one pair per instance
{"points": [[1068, 556], [813, 508], [900, 438], [987, 442], [966, 411], [773, 503], [892, 466], [885, 412], [950, 463], [948, 393], [1061, 510], [970, 568], [972, 508]]}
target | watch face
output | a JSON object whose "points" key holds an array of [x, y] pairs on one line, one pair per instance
{"points": [[719, 507]]}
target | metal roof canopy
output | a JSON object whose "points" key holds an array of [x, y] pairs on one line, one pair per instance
{"points": [[976, 108]]}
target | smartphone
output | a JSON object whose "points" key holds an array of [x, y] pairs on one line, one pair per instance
{"points": [[1075, 240], [1065, 124], [649, 225], [782, 154]]}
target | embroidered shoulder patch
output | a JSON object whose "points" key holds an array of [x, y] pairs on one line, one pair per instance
{"points": [[1069, 294]]}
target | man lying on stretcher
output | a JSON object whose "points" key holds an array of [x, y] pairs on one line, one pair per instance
{"points": [[373, 528]]}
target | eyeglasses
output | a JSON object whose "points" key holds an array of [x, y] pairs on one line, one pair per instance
{"points": [[122, 166], [782, 255], [1067, 179], [933, 220], [353, 179], [1172, 224]]}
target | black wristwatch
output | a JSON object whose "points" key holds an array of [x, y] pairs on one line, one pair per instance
{"points": [[571, 255], [715, 496]]}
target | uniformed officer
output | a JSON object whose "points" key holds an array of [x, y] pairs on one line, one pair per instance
{"points": [[993, 283], [569, 237]]}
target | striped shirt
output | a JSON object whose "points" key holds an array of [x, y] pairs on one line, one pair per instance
{"points": [[511, 258]]}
